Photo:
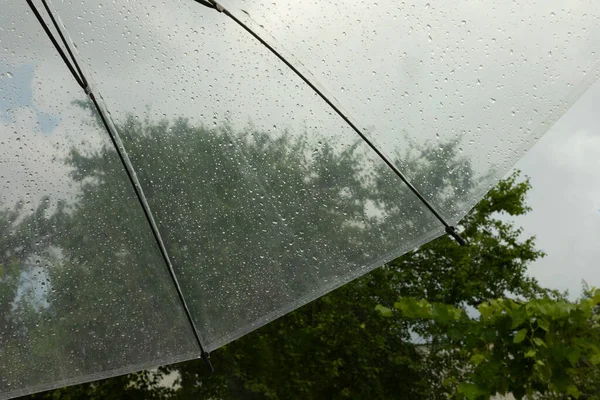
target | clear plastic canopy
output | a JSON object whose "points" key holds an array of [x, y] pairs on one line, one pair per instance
{"points": [[264, 197]]}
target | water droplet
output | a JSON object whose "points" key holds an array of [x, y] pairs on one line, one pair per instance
{"points": [[493, 100]]}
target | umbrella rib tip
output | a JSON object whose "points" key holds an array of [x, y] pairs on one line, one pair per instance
{"points": [[206, 357], [451, 230]]}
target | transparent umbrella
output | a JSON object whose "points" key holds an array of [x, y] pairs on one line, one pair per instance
{"points": [[174, 176]]}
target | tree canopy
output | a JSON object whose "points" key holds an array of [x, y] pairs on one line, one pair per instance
{"points": [[271, 206]]}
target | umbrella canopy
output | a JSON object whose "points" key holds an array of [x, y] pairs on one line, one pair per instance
{"points": [[194, 170]]}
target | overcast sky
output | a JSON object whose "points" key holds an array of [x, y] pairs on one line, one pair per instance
{"points": [[564, 167]]}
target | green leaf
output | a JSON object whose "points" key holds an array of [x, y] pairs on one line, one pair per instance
{"points": [[448, 381], [520, 336], [518, 317], [595, 359], [477, 359], [573, 355], [573, 391], [530, 353], [544, 324], [413, 308], [470, 390], [539, 342], [444, 313], [440, 312], [485, 310], [384, 311]]}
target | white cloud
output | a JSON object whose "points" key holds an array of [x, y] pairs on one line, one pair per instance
{"points": [[38, 123]]}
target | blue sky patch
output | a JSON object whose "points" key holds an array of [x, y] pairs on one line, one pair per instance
{"points": [[17, 92]]}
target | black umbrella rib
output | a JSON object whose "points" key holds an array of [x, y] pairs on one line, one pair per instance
{"points": [[77, 76], [451, 230], [118, 145]]}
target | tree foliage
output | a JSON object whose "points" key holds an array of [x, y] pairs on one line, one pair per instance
{"points": [[541, 346], [273, 206]]}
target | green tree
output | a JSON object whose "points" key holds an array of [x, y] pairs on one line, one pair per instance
{"points": [[336, 348], [225, 201], [542, 346], [212, 191]]}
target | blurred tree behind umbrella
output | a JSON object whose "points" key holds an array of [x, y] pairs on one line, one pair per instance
{"points": [[335, 347]]}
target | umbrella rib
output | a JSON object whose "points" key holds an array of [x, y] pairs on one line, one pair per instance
{"points": [[125, 161], [78, 77], [451, 230]]}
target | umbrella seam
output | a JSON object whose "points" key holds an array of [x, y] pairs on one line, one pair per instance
{"points": [[125, 161], [451, 230]]}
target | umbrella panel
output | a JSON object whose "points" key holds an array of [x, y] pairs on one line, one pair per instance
{"points": [[84, 292], [265, 199], [480, 80]]}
